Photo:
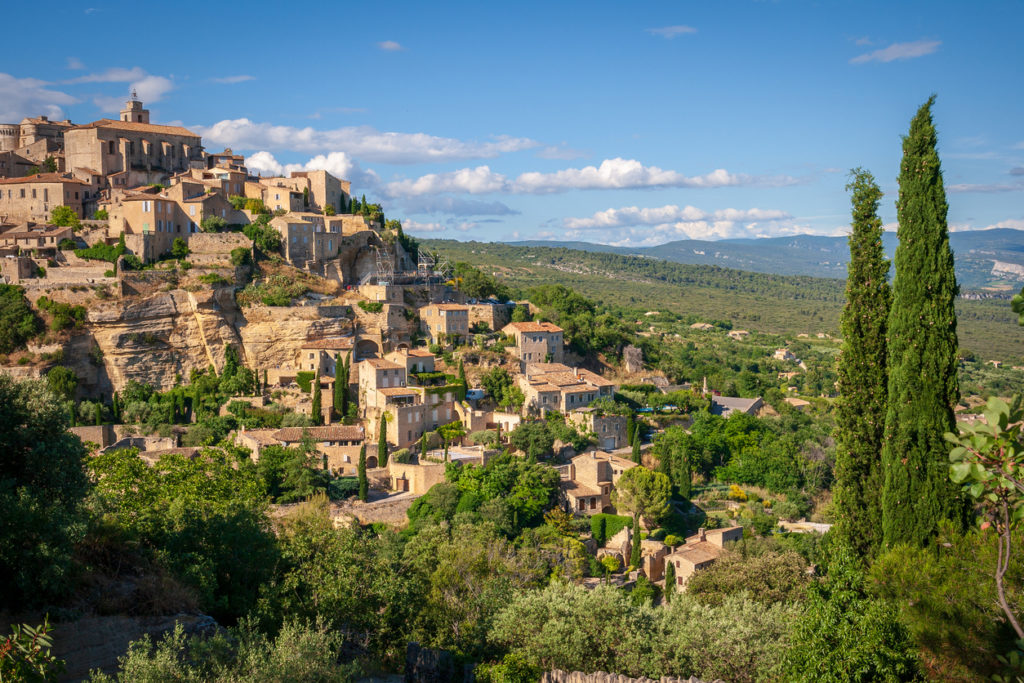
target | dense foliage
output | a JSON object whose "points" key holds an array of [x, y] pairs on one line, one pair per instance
{"points": [[18, 323]]}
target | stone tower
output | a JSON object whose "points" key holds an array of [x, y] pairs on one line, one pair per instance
{"points": [[133, 111]]}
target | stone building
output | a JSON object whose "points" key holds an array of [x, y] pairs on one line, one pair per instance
{"points": [[448, 322], [589, 480], [410, 410], [30, 237], [701, 551], [610, 429], [339, 443], [132, 151], [536, 342], [33, 198], [319, 354], [554, 386]]}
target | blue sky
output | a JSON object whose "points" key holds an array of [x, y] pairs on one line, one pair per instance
{"points": [[624, 123]]}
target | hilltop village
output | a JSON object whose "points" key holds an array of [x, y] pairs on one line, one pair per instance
{"points": [[281, 407]]}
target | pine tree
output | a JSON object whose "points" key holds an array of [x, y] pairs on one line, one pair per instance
{"points": [[863, 379], [636, 446], [317, 417], [670, 580], [634, 553], [364, 486], [922, 351], [382, 443]]}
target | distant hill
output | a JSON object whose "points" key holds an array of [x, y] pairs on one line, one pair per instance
{"points": [[765, 302], [985, 259]]}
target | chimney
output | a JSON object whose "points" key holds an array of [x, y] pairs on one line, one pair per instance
{"points": [[702, 534]]}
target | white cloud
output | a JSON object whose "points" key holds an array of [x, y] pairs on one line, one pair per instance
{"points": [[115, 74], [671, 31], [148, 88], [612, 174], [995, 187], [413, 227], [21, 97], [632, 215], [863, 40], [479, 180], [1012, 223], [230, 80], [455, 206], [918, 48], [363, 142], [338, 164], [390, 46], [75, 64], [711, 228], [561, 152]]}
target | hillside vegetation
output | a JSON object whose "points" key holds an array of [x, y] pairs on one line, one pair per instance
{"points": [[779, 304]]}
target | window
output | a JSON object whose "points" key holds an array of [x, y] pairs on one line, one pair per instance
{"points": [[147, 206], [33, 193], [110, 147], [192, 210]]}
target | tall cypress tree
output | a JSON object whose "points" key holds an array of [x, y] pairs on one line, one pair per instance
{"points": [[364, 485], [863, 380], [922, 351], [382, 443], [318, 413], [670, 580], [340, 385], [636, 446], [634, 553]]}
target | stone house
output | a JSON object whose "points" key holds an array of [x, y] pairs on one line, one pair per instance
{"points": [[783, 354], [738, 335], [414, 360], [31, 237], [554, 386], [445, 321], [320, 354], [589, 480], [701, 551], [610, 429], [536, 342], [34, 197], [340, 443], [493, 314], [727, 405]]}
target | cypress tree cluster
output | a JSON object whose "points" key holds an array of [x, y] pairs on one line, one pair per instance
{"points": [[863, 380], [922, 350], [341, 375]]}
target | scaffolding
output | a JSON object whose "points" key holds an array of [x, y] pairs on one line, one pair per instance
{"points": [[385, 267], [425, 267]]}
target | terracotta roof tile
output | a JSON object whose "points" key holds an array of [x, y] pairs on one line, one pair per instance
{"points": [[139, 127], [534, 327], [319, 434]]}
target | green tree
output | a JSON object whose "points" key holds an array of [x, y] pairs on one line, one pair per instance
{"points": [[643, 493], [922, 351], [988, 459], [532, 438], [382, 442], [64, 216], [98, 414], [42, 485], [423, 443], [463, 383], [179, 249], [317, 415], [846, 636], [62, 381], [18, 323], [637, 457], [213, 224], [863, 379], [50, 164], [364, 486]]}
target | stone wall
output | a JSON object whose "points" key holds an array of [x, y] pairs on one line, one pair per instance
{"points": [[558, 676], [209, 248]]}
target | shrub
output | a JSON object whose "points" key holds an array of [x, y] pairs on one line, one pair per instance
{"points": [[240, 256], [64, 216], [64, 315], [66, 244], [612, 524], [101, 251], [100, 215], [18, 323], [214, 279], [371, 306], [109, 273], [213, 224], [304, 380]]}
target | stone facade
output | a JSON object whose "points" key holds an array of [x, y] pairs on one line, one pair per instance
{"points": [[445, 321], [34, 197], [536, 342]]}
